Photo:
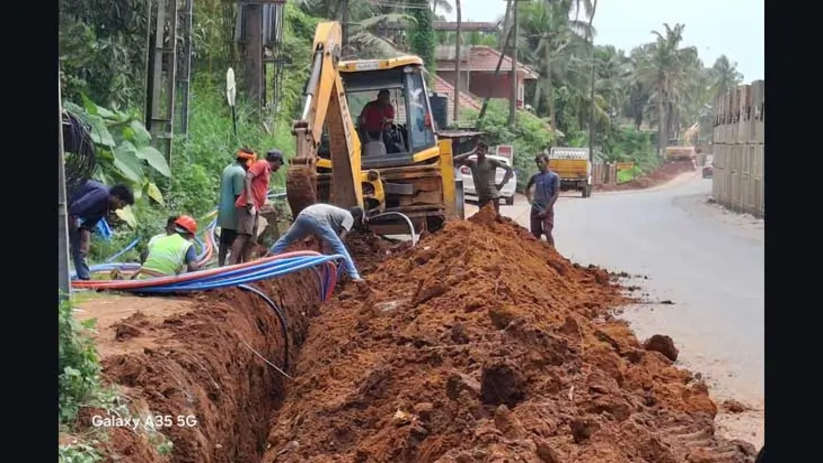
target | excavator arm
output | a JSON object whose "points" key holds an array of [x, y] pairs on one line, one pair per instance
{"points": [[325, 105]]}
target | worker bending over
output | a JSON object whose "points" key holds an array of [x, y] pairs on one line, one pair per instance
{"points": [[171, 254], [325, 222], [90, 203], [484, 172], [546, 190]]}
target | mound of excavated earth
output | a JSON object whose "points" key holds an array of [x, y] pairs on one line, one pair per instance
{"points": [[482, 344]]}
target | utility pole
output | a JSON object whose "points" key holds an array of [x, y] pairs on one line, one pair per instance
{"points": [[64, 284], [160, 98], [184, 65], [254, 53], [504, 43], [591, 93], [457, 66], [513, 101], [345, 23]]}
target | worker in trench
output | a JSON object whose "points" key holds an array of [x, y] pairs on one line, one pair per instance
{"points": [[232, 184], [546, 190], [484, 171], [328, 223], [87, 205], [249, 202], [171, 253]]}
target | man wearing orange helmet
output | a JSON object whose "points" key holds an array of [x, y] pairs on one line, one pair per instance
{"points": [[232, 185], [171, 254]]}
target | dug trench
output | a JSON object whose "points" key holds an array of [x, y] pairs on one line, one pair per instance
{"points": [[480, 344]]}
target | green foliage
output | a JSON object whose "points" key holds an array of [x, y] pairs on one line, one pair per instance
{"points": [[123, 147], [531, 136], [79, 452], [101, 48], [77, 363], [627, 144], [422, 37], [298, 37], [163, 445]]}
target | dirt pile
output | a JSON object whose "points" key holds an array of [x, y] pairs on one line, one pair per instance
{"points": [[368, 250], [484, 344], [661, 175]]}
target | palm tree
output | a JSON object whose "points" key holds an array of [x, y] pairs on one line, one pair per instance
{"points": [[444, 5], [665, 68], [550, 37], [725, 76], [365, 39], [612, 80]]}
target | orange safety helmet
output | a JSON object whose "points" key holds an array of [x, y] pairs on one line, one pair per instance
{"points": [[249, 157], [187, 223]]}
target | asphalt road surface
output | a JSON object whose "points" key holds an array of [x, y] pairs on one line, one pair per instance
{"points": [[708, 261]]}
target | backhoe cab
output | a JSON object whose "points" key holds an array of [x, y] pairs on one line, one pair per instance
{"points": [[383, 164]]}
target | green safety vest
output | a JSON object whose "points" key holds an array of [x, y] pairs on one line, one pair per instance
{"points": [[167, 254]]}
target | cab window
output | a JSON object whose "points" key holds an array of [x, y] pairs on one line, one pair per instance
{"points": [[421, 133]]}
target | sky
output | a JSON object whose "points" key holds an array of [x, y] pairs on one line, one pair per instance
{"points": [[716, 27]]}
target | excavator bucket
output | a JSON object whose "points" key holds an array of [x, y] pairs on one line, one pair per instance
{"points": [[301, 188]]}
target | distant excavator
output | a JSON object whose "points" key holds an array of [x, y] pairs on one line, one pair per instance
{"points": [[403, 173], [687, 151]]}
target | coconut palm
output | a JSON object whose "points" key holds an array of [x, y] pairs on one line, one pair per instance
{"points": [[665, 67], [444, 5], [550, 38], [366, 40], [725, 76]]}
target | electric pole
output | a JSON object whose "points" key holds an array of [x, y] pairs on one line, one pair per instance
{"points": [[62, 212], [457, 66], [513, 101], [591, 93], [345, 24], [254, 54]]}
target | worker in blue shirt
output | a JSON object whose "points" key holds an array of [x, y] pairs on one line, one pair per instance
{"points": [[546, 190], [87, 205]]}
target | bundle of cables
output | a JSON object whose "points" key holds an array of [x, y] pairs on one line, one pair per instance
{"points": [[221, 277], [80, 156]]}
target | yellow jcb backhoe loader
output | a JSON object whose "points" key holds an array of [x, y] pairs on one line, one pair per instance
{"points": [[405, 170]]}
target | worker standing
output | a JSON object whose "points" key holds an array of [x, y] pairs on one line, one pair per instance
{"points": [[546, 190], [250, 201], [170, 254], [90, 203], [484, 171], [232, 184], [325, 222]]}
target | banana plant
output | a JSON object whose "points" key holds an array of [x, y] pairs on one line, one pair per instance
{"points": [[124, 153]]}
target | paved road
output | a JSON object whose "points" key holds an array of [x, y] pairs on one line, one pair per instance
{"points": [[708, 261]]}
